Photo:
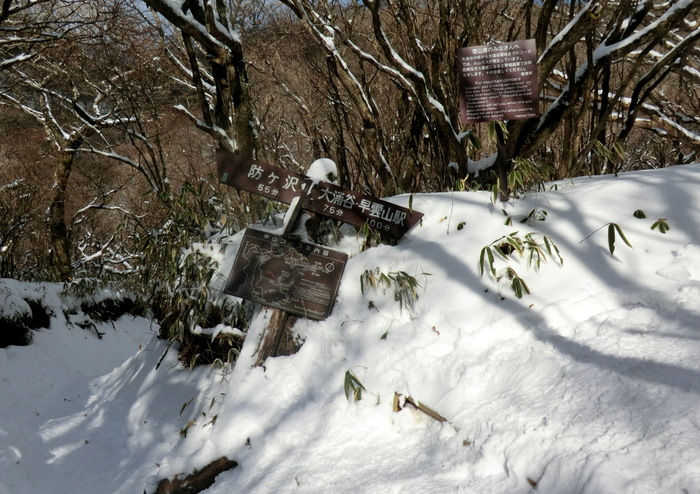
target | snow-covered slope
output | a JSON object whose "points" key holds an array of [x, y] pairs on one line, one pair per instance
{"points": [[589, 384]]}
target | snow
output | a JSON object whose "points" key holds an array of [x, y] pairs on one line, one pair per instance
{"points": [[474, 167], [589, 384], [20, 57], [585, 10], [323, 170], [604, 50]]}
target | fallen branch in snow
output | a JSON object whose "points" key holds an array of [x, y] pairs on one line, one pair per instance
{"points": [[197, 481], [408, 401]]}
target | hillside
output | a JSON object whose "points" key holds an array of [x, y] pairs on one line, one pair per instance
{"points": [[588, 384]]}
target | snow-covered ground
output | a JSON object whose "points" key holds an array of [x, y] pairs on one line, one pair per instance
{"points": [[589, 384]]}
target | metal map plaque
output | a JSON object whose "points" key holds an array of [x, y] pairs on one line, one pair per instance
{"points": [[294, 276]]}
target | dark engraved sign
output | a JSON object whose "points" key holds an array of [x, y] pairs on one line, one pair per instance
{"points": [[261, 178], [360, 209], [498, 82], [294, 276], [323, 198]]}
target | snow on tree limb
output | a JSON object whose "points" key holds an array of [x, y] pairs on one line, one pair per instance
{"points": [[206, 30], [615, 45]]}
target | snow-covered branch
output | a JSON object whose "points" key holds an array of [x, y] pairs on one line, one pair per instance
{"points": [[222, 90], [640, 32]]}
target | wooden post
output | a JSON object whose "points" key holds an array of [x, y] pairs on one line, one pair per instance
{"points": [[322, 198], [277, 338]]}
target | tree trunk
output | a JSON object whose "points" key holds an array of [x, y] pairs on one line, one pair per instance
{"points": [[60, 252], [504, 163], [245, 133]]}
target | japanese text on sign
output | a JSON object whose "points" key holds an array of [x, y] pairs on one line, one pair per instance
{"points": [[261, 178], [359, 209], [294, 276], [322, 198], [498, 82]]}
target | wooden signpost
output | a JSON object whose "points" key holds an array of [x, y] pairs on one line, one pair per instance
{"points": [[298, 278], [323, 198]]}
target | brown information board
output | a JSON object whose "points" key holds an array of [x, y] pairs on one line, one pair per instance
{"points": [[261, 178], [294, 276], [359, 209], [323, 198], [498, 82]]}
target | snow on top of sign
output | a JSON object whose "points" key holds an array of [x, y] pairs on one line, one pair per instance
{"points": [[323, 170], [599, 362]]}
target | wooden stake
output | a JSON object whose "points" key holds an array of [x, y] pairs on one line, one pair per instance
{"points": [[277, 338]]}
